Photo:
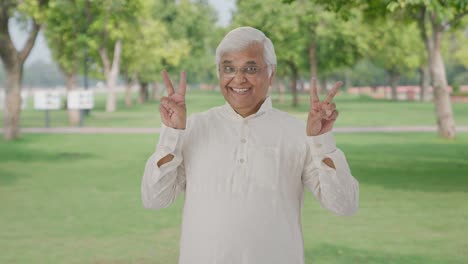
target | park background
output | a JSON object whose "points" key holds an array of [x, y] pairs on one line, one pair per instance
{"points": [[71, 193]]}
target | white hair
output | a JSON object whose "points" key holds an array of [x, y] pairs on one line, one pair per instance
{"points": [[240, 38]]}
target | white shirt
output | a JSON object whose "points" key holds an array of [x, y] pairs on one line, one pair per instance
{"points": [[243, 180]]}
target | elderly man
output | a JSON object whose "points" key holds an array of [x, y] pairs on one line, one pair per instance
{"points": [[243, 166]]}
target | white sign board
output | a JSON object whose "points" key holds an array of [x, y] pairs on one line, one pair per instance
{"points": [[83, 99], [24, 100], [47, 100]]}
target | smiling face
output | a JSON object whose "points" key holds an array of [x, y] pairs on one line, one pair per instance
{"points": [[246, 88]]}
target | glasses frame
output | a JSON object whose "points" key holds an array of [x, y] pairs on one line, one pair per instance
{"points": [[242, 69]]}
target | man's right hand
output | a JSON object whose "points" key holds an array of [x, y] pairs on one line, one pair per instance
{"points": [[172, 107]]}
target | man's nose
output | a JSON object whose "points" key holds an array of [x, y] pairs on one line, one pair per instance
{"points": [[239, 77]]}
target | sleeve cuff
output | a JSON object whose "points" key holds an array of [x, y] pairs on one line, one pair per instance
{"points": [[169, 138], [322, 144]]}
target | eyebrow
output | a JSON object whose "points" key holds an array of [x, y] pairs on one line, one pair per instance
{"points": [[247, 63]]}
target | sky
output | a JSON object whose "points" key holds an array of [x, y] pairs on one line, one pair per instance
{"points": [[42, 52]]}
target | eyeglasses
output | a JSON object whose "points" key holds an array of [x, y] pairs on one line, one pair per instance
{"points": [[231, 71]]}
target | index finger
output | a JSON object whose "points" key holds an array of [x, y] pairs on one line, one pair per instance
{"points": [[183, 83], [333, 92], [167, 81], [314, 98]]}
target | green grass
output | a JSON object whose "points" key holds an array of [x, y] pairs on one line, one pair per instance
{"points": [[354, 111], [76, 199]]}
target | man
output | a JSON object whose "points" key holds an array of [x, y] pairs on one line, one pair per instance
{"points": [[243, 166]]}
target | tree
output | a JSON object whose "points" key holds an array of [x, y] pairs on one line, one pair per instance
{"points": [[435, 17], [109, 24], [279, 22], [396, 48], [32, 12], [309, 40], [195, 22], [65, 33], [150, 47]]}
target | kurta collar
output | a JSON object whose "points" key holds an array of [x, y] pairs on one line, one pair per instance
{"points": [[265, 107]]}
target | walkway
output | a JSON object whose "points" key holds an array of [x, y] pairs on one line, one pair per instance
{"points": [[145, 130]]}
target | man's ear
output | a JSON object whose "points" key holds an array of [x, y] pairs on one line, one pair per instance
{"points": [[273, 72]]}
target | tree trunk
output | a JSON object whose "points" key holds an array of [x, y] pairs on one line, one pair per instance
{"points": [[348, 80], [443, 105], [281, 89], [312, 62], [128, 94], [111, 73], [73, 114], [12, 111], [129, 82], [424, 82], [13, 61], [394, 80], [144, 93], [323, 86], [293, 83], [155, 95], [425, 71]]}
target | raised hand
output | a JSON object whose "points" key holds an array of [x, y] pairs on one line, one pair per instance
{"points": [[322, 114], [172, 107]]}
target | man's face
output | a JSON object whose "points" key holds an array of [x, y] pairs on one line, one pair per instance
{"points": [[244, 80]]}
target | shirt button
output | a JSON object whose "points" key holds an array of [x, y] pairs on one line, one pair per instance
{"points": [[243, 140], [241, 160]]}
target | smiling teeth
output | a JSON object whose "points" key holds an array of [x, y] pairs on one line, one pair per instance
{"points": [[240, 90]]}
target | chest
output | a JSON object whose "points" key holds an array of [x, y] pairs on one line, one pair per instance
{"points": [[244, 157]]}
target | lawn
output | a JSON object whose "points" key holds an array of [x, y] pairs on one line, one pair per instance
{"points": [[76, 199], [354, 111]]}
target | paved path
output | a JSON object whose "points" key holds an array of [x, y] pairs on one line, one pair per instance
{"points": [[146, 130]]}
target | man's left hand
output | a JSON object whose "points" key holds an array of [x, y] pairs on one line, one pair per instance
{"points": [[322, 114]]}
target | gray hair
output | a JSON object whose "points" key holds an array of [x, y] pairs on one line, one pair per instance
{"points": [[240, 38]]}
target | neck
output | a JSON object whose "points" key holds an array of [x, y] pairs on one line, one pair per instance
{"points": [[248, 112]]}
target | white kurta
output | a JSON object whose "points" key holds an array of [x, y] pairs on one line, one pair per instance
{"points": [[243, 180]]}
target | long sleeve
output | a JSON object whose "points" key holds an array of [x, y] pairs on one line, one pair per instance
{"points": [[336, 189], [161, 185]]}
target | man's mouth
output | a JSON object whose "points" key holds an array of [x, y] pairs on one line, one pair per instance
{"points": [[240, 90]]}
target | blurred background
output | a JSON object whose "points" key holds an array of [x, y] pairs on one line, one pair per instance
{"points": [[80, 88]]}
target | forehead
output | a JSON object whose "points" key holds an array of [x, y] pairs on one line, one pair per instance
{"points": [[253, 54]]}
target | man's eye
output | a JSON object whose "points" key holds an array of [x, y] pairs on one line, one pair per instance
{"points": [[229, 69], [251, 70]]}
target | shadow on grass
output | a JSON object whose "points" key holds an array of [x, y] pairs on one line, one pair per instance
{"points": [[327, 253], [7, 177], [28, 155], [428, 167], [20, 152]]}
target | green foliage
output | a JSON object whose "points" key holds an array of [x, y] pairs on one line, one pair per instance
{"points": [[149, 47], [443, 11], [175, 36], [66, 33], [365, 73], [193, 23], [278, 21], [396, 47], [295, 27], [34, 9]]}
